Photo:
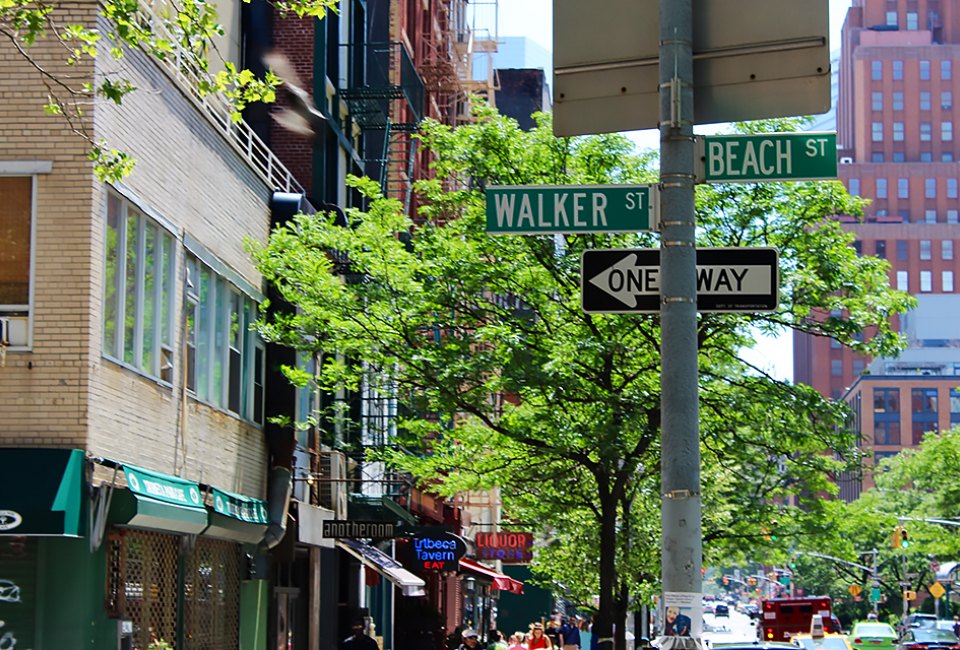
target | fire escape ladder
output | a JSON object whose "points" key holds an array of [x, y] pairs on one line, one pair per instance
{"points": [[399, 157]]}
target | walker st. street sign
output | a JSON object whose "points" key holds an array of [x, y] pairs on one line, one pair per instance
{"points": [[767, 157], [546, 209], [627, 281]]}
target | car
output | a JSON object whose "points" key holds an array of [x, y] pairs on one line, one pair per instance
{"points": [[708, 608], [873, 635], [752, 645], [925, 621], [721, 610], [827, 641], [751, 610], [928, 638]]}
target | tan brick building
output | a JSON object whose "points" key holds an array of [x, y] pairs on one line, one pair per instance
{"points": [[125, 310]]}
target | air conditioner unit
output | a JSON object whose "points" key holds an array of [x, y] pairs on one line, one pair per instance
{"points": [[332, 483], [846, 160], [14, 331]]}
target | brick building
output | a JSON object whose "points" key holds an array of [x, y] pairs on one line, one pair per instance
{"points": [[895, 128], [132, 438]]}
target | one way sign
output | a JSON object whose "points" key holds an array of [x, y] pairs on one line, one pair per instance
{"points": [[627, 281]]}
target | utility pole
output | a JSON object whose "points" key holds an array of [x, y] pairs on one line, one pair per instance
{"points": [[681, 552]]}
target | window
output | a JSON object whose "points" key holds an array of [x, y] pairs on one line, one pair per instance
{"points": [[836, 367], [925, 100], [930, 216], [946, 156], [946, 131], [876, 101], [897, 70], [913, 21], [903, 188], [926, 156], [858, 247], [898, 156], [924, 408], [225, 359], [16, 251], [946, 99], [858, 366], [925, 70], [925, 248], [886, 416], [138, 296], [954, 406], [881, 188], [897, 101], [903, 281], [930, 188], [951, 188], [926, 281], [876, 70], [902, 250], [946, 249], [946, 69], [854, 187], [952, 216], [881, 245], [898, 131], [892, 18], [876, 156], [946, 280], [876, 130], [926, 132]]}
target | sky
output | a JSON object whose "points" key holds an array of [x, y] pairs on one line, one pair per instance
{"points": [[534, 19]]}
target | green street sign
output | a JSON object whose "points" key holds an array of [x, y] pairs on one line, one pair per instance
{"points": [[766, 157], [875, 595], [548, 209]]}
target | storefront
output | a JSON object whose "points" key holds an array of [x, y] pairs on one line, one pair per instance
{"points": [[481, 588]]}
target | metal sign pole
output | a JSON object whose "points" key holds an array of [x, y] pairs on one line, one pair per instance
{"points": [[680, 461]]}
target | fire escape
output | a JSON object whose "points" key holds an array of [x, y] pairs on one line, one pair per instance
{"points": [[384, 95]]}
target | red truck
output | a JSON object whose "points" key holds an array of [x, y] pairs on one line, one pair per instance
{"points": [[780, 618]]}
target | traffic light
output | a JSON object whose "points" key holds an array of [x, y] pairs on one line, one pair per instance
{"points": [[726, 580], [752, 581], [904, 539], [896, 540]]}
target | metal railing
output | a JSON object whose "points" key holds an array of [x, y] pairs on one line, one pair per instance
{"points": [[375, 75], [183, 67]]}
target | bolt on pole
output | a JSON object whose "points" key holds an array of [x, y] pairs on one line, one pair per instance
{"points": [[681, 553]]}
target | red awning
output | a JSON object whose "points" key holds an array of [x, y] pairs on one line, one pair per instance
{"points": [[498, 580]]}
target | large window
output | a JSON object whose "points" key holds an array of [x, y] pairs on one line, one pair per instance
{"points": [[138, 295], [16, 242], [881, 188], [225, 359], [924, 409], [886, 416]]}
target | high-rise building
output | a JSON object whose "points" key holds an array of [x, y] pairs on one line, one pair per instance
{"points": [[895, 133]]}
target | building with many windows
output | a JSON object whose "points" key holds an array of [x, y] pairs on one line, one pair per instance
{"points": [[895, 127]]}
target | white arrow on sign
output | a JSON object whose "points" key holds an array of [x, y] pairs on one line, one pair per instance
{"points": [[626, 281]]}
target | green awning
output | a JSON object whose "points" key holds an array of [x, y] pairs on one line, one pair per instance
{"points": [[160, 501], [42, 492], [237, 517]]}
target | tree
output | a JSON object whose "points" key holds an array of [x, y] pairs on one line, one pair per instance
{"points": [[184, 32], [510, 384]]}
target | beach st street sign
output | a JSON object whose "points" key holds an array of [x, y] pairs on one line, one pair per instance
{"points": [[627, 281], [767, 157], [548, 209]]}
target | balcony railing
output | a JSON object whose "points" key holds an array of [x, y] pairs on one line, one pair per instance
{"points": [[183, 68], [377, 75]]}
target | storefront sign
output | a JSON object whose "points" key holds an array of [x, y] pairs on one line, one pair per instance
{"points": [[240, 507], [509, 548], [438, 551], [353, 529]]}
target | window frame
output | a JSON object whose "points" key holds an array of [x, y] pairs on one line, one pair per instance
{"points": [[31, 169]]}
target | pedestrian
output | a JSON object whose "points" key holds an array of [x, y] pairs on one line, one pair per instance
{"points": [[552, 630], [496, 641], [471, 640], [570, 634], [956, 625], [677, 624], [359, 640], [537, 639], [516, 642]]}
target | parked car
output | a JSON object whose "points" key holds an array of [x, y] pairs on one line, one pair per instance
{"points": [[925, 621], [929, 638], [721, 610], [873, 635]]}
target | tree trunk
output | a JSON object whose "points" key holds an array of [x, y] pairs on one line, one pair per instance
{"points": [[608, 570]]}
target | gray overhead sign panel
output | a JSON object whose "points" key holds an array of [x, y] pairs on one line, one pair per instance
{"points": [[753, 59]]}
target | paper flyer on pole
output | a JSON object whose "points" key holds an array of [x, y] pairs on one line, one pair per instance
{"points": [[682, 614]]}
